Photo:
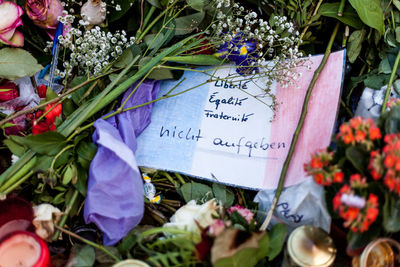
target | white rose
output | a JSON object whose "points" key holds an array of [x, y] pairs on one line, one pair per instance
{"points": [[186, 217]]}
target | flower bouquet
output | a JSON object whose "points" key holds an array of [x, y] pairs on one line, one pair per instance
{"points": [[68, 66], [361, 177]]}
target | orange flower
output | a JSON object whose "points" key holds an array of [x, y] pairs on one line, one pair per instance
{"points": [[374, 133], [318, 178], [348, 138], [389, 161], [338, 177], [337, 201], [355, 122], [360, 136], [351, 213], [375, 174], [344, 129], [390, 182], [316, 163]]}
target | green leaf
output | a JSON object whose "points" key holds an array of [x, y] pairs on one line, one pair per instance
{"points": [[67, 107], [156, 74], [196, 4], [189, 23], [48, 143], [277, 237], [167, 33], [15, 148], [355, 156], [370, 13], [196, 191], [376, 81], [223, 194], [86, 152], [50, 94], [349, 14], [129, 241], [397, 4], [78, 94], [81, 184], [248, 256], [397, 31], [70, 174], [124, 59], [114, 14], [391, 214], [392, 123], [152, 40], [82, 256], [17, 63], [354, 46], [103, 257], [43, 163], [155, 3], [204, 60], [384, 66], [358, 240]]}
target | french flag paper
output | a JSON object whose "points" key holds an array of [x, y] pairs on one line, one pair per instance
{"points": [[222, 131]]}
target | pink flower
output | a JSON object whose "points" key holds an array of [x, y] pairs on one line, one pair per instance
{"points": [[10, 19], [217, 227], [44, 13], [247, 214]]}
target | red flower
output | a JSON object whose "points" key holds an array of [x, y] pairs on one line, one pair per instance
{"points": [[8, 91], [42, 90], [54, 111], [47, 123], [42, 126]]}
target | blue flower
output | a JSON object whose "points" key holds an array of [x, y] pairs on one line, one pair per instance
{"points": [[241, 51]]}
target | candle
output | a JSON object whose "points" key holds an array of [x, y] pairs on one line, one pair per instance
{"points": [[309, 246], [24, 249], [16, 214]]}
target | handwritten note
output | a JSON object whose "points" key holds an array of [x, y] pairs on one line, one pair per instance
{"points": [[222, 130]]}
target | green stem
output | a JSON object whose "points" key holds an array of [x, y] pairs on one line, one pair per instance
{"points": [[299, 128], [23, 112], [389, 86], [148, 16], [88, 242], [58, 155], [18, 175], [309, 22], [169, 177], [341, 8], [180, 178], [20, 181], [154, 22], [64, 218]]}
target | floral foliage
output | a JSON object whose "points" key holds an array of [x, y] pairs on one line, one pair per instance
{"points": [[367, 164]]}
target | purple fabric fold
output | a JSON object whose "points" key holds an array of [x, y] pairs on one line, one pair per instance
{"points": [[114, 200]]}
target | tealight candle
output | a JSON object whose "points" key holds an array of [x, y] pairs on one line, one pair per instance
{"points": [[24, 249]]}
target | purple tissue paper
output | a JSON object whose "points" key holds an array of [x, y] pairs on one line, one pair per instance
{"points": [[114, 200]]}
